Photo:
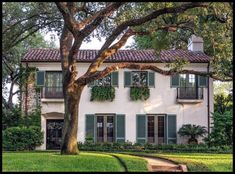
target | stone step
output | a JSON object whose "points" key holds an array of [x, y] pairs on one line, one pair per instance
{"points": [[167, 170], [157, 168]]}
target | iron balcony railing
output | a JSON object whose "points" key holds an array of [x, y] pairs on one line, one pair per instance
{"points": [[53, 92], [189, 93]]}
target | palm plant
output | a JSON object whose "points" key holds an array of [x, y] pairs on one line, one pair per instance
{"points": [[192, 131]]}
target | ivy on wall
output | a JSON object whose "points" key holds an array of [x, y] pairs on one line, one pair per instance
{"points": [[139, 93], [102, 93]]}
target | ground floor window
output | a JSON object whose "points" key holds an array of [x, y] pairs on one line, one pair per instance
{"points": [[156, 128], [105, 127]]}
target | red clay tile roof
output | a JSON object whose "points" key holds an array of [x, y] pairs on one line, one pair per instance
{"points": [[53, 55]]}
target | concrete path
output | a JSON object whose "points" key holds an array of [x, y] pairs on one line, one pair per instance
{"points": [[156, 164]]}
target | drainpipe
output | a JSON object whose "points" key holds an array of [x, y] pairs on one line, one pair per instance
{"points": [[208, 99]]}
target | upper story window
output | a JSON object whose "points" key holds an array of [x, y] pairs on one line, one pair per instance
{"points": [[189, 86], [53, 84], [187, 80], [109, 80], [105, 81], [139, 78]]}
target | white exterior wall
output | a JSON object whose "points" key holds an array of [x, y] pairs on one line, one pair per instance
{"points": [[162, 101]]}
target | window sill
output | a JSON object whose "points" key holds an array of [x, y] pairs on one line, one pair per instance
{"points": [[189, 100], [61, 100]]}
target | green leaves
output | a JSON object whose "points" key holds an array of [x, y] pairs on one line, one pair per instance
{"points": [[102, 93], [139, 93], [222, 131], [193, 131], [22, 138], [213, 24]]}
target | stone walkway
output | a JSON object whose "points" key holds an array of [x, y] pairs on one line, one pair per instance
{"points": [[162, 165]]}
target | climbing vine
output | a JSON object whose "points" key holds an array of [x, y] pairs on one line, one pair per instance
{"points": [[139, 93], [102, 93]]}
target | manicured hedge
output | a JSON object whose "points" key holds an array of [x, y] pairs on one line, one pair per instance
{"points": [[22, 138], [129, 147]]}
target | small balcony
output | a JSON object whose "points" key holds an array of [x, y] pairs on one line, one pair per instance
{"points": [[53, 93], [189, 95]]}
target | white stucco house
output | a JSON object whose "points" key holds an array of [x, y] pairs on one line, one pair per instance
{"points": [[172, 102]]}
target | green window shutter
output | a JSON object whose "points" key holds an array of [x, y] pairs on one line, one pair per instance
{"points": [[120, 128], [90, 126], [141, 128], [127, 78], [175, 81], [165, 130], [151, 79], [114, 79], [40, 78], [171, 129], [202, 81]]}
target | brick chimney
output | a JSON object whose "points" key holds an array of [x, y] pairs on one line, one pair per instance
{"points": [[195, 43]]}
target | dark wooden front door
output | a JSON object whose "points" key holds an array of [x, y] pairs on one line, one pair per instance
{"points": [[54, 133]]}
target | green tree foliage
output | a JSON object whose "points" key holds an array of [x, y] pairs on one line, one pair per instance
{"points": [[14, 118], [223, 103], [11, 71], [11, 118], [213, 24], [22, 24], [192, 131], [222, 131], [23, 19], [222, 87]]}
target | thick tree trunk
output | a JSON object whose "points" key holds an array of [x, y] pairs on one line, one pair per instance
{"points": [[70, 128]]}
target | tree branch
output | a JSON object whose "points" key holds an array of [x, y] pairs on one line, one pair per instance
{"points": [[22, 20], [153, 15], [106, 12], [100, 74], [99, 59], [108, 52], [104, 54], [67, 12], [75, 27]]}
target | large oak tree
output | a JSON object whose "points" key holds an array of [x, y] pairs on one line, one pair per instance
{"points": [[118, 21]]}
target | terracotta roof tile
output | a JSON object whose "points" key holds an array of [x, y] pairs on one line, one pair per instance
{"points": [[53, 55]]}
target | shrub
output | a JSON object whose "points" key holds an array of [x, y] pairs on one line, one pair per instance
{"points": [[139, 93], [192, 131], [102, 93], [22, 138], [151, 148], [222, 131]]}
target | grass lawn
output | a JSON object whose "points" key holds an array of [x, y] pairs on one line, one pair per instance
{"points": [[200, 162], [85, 161]]}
